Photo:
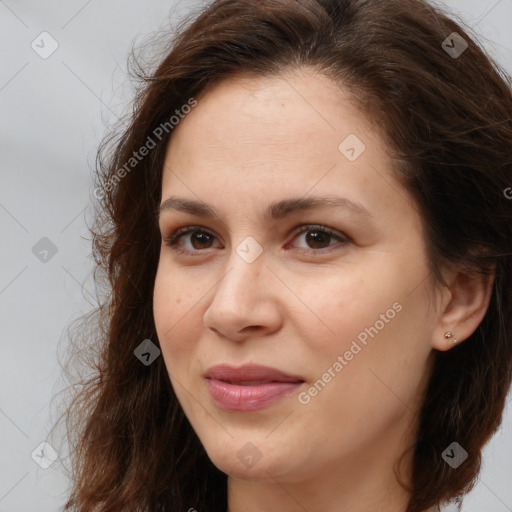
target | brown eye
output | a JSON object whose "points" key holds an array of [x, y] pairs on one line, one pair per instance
{"points": [[318, 239], [190, 240], [201, 240]]}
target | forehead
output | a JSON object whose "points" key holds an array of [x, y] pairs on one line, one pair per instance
{"points": [[283, 136], [246, 121]]}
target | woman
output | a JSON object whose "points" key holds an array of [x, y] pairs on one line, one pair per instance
{"points": [[307, 235]]}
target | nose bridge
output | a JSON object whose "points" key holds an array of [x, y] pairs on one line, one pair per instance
{"points": [[243, 275], [242, 298]]}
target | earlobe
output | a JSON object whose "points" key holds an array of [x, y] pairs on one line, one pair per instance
{"points": [[450, 335], [468, 298]]}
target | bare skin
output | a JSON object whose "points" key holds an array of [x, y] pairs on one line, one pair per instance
{"points": [[305, 299]]}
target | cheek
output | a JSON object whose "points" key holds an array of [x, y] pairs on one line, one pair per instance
{"points": [[175, 313], [371, 314], [334, 309]]}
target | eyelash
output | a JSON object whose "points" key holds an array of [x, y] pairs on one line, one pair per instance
{"points": [[172, 240]]}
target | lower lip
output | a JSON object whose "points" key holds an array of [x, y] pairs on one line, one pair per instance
{"points": [[235, 397]]}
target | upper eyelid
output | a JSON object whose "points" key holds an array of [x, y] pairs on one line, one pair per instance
{"points": [[304, 228], [186, 230]]}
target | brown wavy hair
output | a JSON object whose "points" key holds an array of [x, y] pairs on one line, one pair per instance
{"points": [[447, 119]]}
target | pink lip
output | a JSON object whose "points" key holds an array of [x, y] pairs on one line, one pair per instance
{"points": [[233, 390]]}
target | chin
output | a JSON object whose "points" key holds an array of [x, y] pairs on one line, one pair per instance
{"points": [[245, 461]]}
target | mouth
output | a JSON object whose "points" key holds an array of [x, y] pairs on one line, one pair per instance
{"points": [[249, 387], [249, 374], [249, 382]]}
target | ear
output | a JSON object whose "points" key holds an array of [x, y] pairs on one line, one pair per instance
{"points": [[464, 302]]}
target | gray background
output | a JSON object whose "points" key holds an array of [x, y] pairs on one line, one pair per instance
{"points": [[54, 112]]}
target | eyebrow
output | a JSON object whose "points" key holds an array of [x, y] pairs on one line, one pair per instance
{"points": [[275, 211]]}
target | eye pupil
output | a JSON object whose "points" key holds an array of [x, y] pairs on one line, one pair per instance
{"points": [[202, 238], [318, 237]]}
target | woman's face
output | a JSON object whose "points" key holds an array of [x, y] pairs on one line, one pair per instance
{"points": [[300, 253]]}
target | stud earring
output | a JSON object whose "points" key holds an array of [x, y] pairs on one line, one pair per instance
{"points": [[449, 335]]}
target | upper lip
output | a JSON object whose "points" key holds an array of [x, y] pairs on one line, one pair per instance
{"points": [[249, 372]]}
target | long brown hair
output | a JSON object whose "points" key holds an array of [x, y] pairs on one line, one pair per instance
{"points": [[444, 108]]}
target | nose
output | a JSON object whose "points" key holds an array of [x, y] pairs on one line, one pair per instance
{"points": [[245, 301]]}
